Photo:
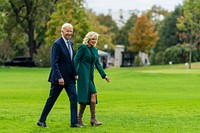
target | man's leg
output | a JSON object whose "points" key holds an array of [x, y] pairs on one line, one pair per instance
{"points": [[71, 91], [53, 95]]}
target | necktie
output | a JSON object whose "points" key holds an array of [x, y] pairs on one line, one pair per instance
{"points": [[69, 49]]}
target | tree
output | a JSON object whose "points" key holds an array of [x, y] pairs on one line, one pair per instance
{"points": [[176, 54], [71, 11], [189, 24], [106, 36], [67, 11], [168, 32], [122, 35], [157, 14], [27, 17], [142, 36], [108, 22], [3, 21], [112, 29], [6, 52]]}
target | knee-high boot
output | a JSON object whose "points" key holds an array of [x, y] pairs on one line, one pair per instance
{"points": [[93, 120], [80, 114]]}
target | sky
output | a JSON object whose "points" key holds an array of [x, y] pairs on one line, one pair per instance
{"points": [[124, 7]]}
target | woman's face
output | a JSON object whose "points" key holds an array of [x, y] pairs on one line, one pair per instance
{"points": [[93, 41]]}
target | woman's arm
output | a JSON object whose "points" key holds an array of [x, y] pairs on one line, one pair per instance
{"points": [[78, 56]]}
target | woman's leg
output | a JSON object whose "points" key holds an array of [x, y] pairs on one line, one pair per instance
{"points": [[80, 114], [93, 120]]}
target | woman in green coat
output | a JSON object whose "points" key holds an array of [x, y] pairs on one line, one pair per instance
{"points": [[85, 59]]}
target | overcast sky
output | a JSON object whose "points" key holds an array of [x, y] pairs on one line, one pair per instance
{"points": [[103, 6]]}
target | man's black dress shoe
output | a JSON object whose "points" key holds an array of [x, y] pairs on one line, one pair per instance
{"points": [[75, 126], [42, 124]]}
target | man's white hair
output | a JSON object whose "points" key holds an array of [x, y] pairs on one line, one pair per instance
{"points": [[66, 25]]}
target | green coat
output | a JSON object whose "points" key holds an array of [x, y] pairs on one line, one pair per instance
{"points": [[85, 60]]}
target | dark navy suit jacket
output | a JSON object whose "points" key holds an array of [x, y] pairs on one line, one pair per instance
{"points": [[61, 64]]}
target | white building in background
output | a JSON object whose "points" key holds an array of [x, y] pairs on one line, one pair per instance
{"points": [[103, 56], [144, 58], [103, 53], [118, 55], [117, 60]]}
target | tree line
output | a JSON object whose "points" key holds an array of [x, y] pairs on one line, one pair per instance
{"points": [[29, 27]]}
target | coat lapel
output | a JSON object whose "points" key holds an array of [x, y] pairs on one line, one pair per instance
{"points": [[65, 47]]}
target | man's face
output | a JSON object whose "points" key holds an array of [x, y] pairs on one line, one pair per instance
{"points": [[67, 32]]}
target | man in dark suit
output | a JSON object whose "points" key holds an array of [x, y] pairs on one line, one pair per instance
{"points": [[62, 75]]}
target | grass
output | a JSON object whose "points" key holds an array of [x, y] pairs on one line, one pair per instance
{"points": [[151, 99]]}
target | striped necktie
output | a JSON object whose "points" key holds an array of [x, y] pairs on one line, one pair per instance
{"points": [[69, 49]]}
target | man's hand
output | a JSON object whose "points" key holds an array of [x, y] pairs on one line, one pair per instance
{"points": [[61, 81], [76, 77]]}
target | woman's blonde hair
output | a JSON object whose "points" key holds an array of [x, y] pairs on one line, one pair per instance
{"points": [[90, 35]]}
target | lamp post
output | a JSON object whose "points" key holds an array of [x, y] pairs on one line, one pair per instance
{"points": [[105, 47]]}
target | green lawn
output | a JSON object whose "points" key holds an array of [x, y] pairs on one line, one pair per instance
{"points": [[151, 99]]}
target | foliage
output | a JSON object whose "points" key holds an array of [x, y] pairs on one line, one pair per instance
{"points": [[189, 25], [42, 59], [6, 52], [108, 22], [189, 22], [3, 21], [109, 35], [122, 35], [156, 14], [137, 61], [67, 11], [12, 33], [168, 32], [177, 54], [157, 58], [5, 48], [105, 32], [142, 36], [28, 18]]}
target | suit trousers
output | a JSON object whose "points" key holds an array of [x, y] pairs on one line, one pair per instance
{"points": [[55, 91]]}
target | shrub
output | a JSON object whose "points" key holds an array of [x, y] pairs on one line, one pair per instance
{"points": [[42, 59]]}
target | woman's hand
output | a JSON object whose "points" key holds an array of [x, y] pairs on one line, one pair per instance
{"points": [[107, 78]]}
